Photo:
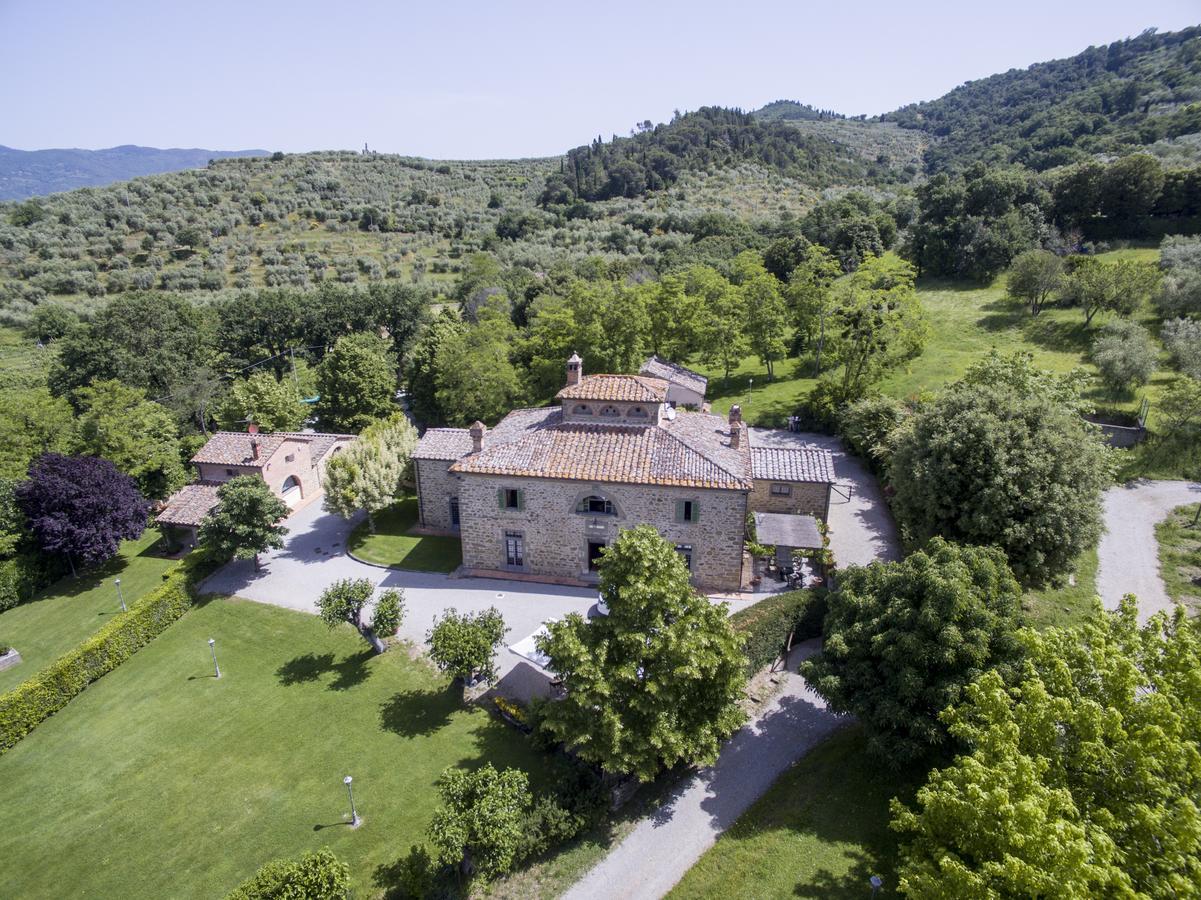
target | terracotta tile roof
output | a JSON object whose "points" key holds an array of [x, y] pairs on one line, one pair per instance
{"points": [[635, 388], [189, 505], [674, 373], [792, 464], [232, 448], [690, 451], [443, 443]]}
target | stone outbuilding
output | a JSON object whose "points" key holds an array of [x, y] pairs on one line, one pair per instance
{"points": [[291, 462], [684, 386]]}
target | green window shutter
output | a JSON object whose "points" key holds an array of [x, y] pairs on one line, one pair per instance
{"points": [[696, 511], [521, 498], [679, 510], [500, 497]]}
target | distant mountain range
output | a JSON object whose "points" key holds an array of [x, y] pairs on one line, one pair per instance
{"points": [[29, 173]]}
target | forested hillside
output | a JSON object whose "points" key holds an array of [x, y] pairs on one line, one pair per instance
{"points": [[1143, 92], [29, 173]]}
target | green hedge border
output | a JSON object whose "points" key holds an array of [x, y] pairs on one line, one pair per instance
{"points": [[33, 701], [768, 624]]}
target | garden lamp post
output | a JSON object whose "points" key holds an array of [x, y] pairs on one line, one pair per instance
{"points": [[354, 814], [213, 650], [120, 596]]}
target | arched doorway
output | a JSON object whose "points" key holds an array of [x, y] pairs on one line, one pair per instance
{"points": [[291, 490]]}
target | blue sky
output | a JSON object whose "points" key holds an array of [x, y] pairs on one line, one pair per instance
{"points": [[502, 79]]}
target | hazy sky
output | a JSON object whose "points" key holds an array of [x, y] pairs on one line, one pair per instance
{"points": [[451, 79]]}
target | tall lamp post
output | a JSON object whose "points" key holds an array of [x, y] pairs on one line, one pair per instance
{"points": [[120, 596], [354, 814], [213, 650]]}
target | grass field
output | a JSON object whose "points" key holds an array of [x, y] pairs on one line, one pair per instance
{"points": [[162, 781], [1180, 556], [821, 831], [392, 545], [70, 611]]}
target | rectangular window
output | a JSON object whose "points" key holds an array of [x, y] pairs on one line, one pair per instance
{"points": [[688, 511], [454, 511], [510, 498], [514, 549], [781, 490], [229, 471], [685, 550], [291, 457]]}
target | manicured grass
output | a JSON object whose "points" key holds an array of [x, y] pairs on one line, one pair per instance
{"points": [[392, 545], [1064, 604], [1180, 556], [71, 611], [162, 781], [820, 831]]}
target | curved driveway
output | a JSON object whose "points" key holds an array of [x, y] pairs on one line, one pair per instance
{"points": [[1128, 555]]}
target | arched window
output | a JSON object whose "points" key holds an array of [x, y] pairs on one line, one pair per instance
{"points": [[637, 412], [582, 409], [595, 506], [611, 411]]}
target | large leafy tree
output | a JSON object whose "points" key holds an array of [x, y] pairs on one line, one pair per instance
{"points": [[993, 464], [370, 474], [422, 371], [1033, 277], [32, 422], [149, 341], [245, 521], [476, 378], [1121, 287], [357, 381], [811, 300], [1125, 354], [267, 326], [81, 506], [877, 320], [140, 437], [721, 321], [343, 602], [1084, 775], [480, 826], [902, 640], [272, 404], [766, 314], [658, 680]]}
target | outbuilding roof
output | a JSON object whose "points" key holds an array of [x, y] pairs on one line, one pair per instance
{"points": [[792, 464], [189, 505], [233, 448], [657, 367], [783, 530]]}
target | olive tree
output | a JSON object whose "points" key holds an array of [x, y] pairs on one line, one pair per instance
{"points": [[1125, 354]]}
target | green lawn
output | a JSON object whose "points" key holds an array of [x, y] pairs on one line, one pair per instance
{"points": [[821, 831], [1180, 556], [392, 545], [162, 781], [1065, 604], [70, 611]]}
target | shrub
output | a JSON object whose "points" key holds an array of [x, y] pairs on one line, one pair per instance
{"points": [[315, 876], [768, 624], [463, 645], [1125, 354], [1182, 337], [32, 702], [870, 427], [389, 613], [24, 575]]}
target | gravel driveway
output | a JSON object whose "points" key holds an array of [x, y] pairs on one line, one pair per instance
{"points": [[1128, 555]]}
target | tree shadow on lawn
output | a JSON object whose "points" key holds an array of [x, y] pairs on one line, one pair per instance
{"points": [[415, 712], [351, 671]]}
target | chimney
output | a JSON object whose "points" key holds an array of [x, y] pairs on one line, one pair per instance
{"points": [[254, 446], [575, 369], [252, 427], [477, 432], [735, 426]]}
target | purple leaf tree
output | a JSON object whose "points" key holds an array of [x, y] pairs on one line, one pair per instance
{"points": [[81, 506]]}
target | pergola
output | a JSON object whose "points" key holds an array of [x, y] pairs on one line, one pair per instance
{"points": [[787, 533]]}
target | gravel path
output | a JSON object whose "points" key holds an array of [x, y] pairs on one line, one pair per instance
{"points": [[663, 846], [1128, 555]]}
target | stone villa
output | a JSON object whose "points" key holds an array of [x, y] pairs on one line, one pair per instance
{"points": [[545, 490], [291, 462]]}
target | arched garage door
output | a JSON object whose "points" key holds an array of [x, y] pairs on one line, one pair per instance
{"points": [[291, 490]]}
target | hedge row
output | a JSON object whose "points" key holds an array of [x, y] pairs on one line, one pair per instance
{"points": [[768, 624], [33, 701], [25, 574]]}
